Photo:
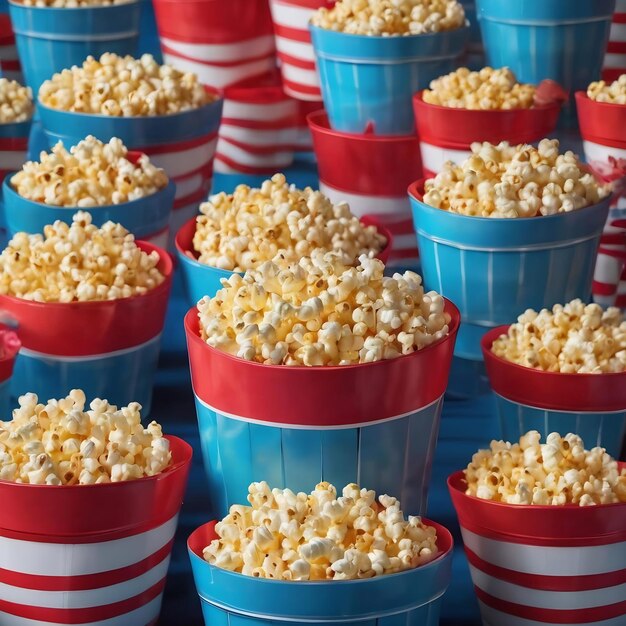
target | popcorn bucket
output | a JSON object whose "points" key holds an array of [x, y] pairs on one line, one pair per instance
{"points": [[371, 173], [543, 564], [9, 61], [203, 280], [95, 554], [52, 39], [538, 39], [294, 48], [223, 42], [446, 134], [296, 426], [367, 82], [615, 57], [148, 34], [107, 348], [496, 267], [9, 346], [411, 596], [591, 405]]}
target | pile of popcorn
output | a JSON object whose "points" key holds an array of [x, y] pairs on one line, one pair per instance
{"points": [[16, 102], [614, 93], [505, 181], [124, 87], [239, 231], [80, 262], [487, 89], [557, 472], [295, 536], [575, 338], [60, 443], [91, 174], [391, 17], [322, 312]]}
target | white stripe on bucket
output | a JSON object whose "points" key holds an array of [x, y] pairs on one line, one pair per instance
{"points": [[365, 204], [180, 163], [614, 60], [297, 49], [291, 16], [620, 6], [300, 75], [229, 52], [258, 137], [12, 159], [598, 152], [618, 32], [434, 157], [259, 112], [248, 159]]}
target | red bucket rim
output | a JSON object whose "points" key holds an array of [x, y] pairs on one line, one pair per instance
{"points": [[601, 122], [250, 94], [613, 106]]}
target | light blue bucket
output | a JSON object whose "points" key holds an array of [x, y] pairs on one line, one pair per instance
{"points": [[368, 82], [495, 268], [52, 39]]}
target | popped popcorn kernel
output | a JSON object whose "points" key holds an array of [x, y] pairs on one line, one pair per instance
{"points": [[318, 536], [77, 262], [612, 93], [574, 338], [391, 17], [557, 472], [505, 181], [90, 174], [124, 87], [279, 222], [320, 311], [16, 102], [63, 443]]}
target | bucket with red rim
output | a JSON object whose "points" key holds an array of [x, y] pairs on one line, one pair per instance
{"points": [[9, 346]]}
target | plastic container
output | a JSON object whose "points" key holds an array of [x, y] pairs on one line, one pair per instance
{"points": [[475, 56], [367, 82], [109, 349], [9, 346], [543, 564], [496, 267], [615, 57], [94, 554], [412, 597], [148, 35], [52, 39], [224, 42], [9, 61], [446, 134]]}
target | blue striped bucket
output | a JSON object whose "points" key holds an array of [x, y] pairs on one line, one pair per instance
{"points": [[52, 39], [367, 82], [494, 268]]}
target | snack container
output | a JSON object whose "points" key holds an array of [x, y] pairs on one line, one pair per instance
{"points": [[203, 280], [148, 34], [412, 596], [475, 56], [496, 267], [95, 554], [107, 348], [9, 61], [615, 57], [52, 39], [371, 173], [367, 82], [224, 42], [10, 345], [544, 564]]}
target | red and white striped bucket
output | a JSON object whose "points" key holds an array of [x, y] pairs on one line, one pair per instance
{"points": [[615, 58], [224, 42], [9, 60], [294, 48], [304, 139], [89, 554], [534, 565]]}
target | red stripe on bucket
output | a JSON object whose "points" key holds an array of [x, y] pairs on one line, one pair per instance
{"points": [[11, 144], [295, 34], [301, 63], [214, 63], [299, 87], [179, 146]]}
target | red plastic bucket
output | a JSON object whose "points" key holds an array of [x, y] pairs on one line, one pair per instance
{"points": [[615, 57]]}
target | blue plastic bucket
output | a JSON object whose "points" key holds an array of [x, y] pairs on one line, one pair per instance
{"points": [[367, 82], [148, 33], [410, 597], [495, 268], [52, 39]]}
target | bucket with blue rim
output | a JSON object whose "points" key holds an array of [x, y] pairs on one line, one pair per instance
{"points": [[367, 81], [52, 39]]}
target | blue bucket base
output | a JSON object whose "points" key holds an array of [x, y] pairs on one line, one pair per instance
{"points": [[5, 400]]}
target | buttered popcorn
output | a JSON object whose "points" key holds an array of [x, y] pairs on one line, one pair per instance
{"points": [[90, 174], [124, 87], [575, 338], [505, 181], [80, 262], [557, 472], [613, 93], [391, 17], [16, 102], [62, 443], [294, 536], [487, 89], [322, 312], [278, 222]]}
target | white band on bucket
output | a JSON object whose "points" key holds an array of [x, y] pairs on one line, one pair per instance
{"points": [[224, 52], [361, 204], [12, 159], [251, 159], [297, 49], [434, 157], [598, 152], [613, 60], [181, 162], [258, 137], [285, 14]]}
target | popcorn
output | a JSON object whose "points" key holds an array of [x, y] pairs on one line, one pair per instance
{"points": [[60, 443], [240, 231], [295, 536], [91, 174], [615, 93], [487, 89], [16, 102], [124, 87], [80, 262], [321, 312], [505, 181], [70, 4], [575, 338], [557, 472], [391, 17]]}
